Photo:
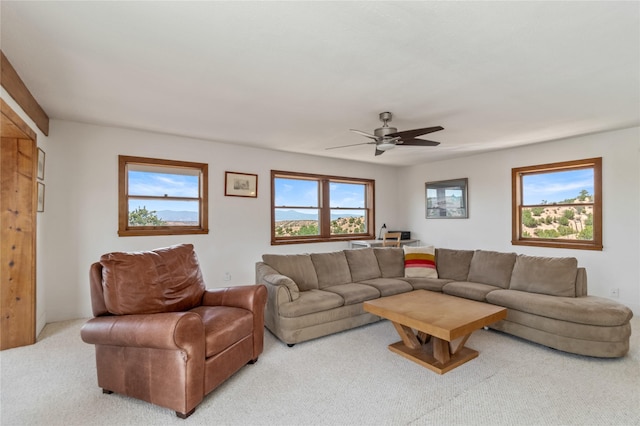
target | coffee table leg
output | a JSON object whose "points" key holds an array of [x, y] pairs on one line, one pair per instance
{"points": [[408, 336], [457, 344], [441, 350], [432, 352]]}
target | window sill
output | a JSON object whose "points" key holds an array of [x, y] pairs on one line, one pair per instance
{"points": [[559, 244]]}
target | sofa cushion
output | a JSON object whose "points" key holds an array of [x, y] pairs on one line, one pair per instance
{"points": [[389, 286], [162, 280], [310, 302], [331, 268], [491, 267], [363, 264], [420, 262], [390, 261], [433, 284], [555, 276], [453, 264], [469, 290], [591, 310], [354, 293], [298, 267]]}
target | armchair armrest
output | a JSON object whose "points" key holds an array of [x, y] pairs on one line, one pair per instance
{"points": [[250, 297], [172, 330]]}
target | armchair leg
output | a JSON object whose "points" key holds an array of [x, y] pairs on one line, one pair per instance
{"points": [[185, 415]]}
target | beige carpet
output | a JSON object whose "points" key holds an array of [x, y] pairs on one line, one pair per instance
{"points": [[350, 378]]}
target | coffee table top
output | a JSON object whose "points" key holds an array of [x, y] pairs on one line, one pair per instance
{"points": [[440, 315]]}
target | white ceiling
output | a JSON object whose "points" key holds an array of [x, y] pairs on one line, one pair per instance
{"points": [[296, 76]]}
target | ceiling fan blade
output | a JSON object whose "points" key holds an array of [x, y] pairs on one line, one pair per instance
{"points": [[365, 134], [418, 142], [409, 134], [354, 144]]}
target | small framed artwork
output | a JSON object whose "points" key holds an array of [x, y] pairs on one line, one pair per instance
{"points": [[40, 164], [40, 196], [240, 184], [447, 199]]}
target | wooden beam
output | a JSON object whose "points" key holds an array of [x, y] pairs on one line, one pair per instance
{"points": [[12, 124], [13, 84]]}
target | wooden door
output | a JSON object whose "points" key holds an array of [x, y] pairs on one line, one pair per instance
{"points": [[18, 206]]}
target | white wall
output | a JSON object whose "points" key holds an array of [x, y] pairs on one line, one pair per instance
{"points": [[42, 142], [81, 214], [489, 224], [81, 219]]}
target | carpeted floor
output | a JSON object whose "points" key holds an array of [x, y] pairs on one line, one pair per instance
{"points": [[350, 378]]}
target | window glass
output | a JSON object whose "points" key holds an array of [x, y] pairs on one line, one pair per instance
{"points": [[162, 197], [311, 208], [558, 205], [348, 212]]}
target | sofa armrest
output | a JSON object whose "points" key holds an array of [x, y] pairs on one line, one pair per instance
{"points": [[249, 297], [172, 330], [265, 274], [277, 280]]}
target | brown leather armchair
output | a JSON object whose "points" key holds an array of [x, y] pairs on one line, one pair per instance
{"points": [[161, 336]]}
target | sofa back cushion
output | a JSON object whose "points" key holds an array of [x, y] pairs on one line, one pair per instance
{"points": [[420, 262], [491, 267], [363, 264], [162, 280], [298, 267], [453, 264], [390, 261], [555, 276], [331, 268]]}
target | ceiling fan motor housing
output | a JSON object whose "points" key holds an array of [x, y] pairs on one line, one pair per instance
{"points": [[384, 131]]}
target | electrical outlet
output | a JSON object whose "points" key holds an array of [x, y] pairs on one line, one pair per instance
{"points": [[227, 276], [614, 292]]}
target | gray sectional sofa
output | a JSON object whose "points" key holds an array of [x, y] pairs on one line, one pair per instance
{"points": [[313, 295]]}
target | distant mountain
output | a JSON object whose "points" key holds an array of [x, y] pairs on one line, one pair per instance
{"points": [[294, 215], [177, 216]]}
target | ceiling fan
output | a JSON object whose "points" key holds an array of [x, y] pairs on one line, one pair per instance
{"points": [[386, 138]]}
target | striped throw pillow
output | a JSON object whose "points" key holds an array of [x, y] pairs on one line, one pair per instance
{"points": [[420, 262]]}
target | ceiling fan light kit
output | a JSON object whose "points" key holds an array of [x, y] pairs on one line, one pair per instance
{"points": [[386, 138], [385, 146]]}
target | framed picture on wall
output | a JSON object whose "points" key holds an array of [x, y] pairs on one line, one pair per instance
{"points": [[447, 199], [41, 156], [240, 184], [40, 196]]}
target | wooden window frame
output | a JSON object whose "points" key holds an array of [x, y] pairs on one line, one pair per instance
{"points": [[324, 208], [517, 204], [124, 230]]}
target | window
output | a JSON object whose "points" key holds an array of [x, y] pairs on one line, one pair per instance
{"points": [[558, 205], [161, 197], [309, 208]]}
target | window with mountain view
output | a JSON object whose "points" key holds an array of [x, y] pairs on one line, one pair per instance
{"points": [[312, 208], [161, 197], [558, 205]]}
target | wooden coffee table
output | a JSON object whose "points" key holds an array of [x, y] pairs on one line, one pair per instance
{"points": [[443, 324]]}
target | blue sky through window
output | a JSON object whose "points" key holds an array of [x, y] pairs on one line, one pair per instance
{"points": [[159, 184], [556, 186], [304, 193]]}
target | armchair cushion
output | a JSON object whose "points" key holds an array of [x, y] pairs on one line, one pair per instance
{"points": [[224, 326], [162, 280]]}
